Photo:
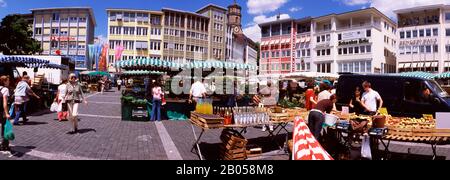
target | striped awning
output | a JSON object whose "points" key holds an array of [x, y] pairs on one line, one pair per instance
{"points": [[18, 61], [445, 75], [417, 74], [55, 66], [156, 64], [142, 73]]}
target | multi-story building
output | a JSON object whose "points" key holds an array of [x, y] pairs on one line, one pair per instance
{"points": [[139, 32], [276, 46], [424, 39], [361, 41], [211, 33], [65, 31]]}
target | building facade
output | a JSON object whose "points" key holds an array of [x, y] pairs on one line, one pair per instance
{"points": [[139, 32], [65, 31], [424, 39], [362, 41]]}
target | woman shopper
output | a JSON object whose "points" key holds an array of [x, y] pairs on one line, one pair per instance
{"points": [[62, 106], [310, 97], [4, 92], [156, 103], [74, 96]]}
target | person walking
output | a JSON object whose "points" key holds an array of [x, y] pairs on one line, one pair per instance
{"points": [[62, 106], [157, 94], [21, 94], [119, 84], [4, 93], [74, 96]]}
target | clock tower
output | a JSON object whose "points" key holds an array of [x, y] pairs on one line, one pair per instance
{"points": [[234, 18]]}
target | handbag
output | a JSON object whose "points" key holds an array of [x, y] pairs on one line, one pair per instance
{"points": [[365, 148], [163, 100], [8, 132]]}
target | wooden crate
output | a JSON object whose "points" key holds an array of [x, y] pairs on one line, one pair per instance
{"points": [[233, 145], [207, 121], [279, 116]]}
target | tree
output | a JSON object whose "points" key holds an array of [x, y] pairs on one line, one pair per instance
{"points": [[16, 37]]}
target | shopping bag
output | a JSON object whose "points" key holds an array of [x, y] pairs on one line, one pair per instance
{"points": [[163, 101], [11, 111], [54, 107], [365, 148], [9, 133]]}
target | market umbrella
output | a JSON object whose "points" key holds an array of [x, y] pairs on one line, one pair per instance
{"points": [[305, 145]]}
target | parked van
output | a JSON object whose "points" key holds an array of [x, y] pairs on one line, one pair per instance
{"points": [[402, 96]]}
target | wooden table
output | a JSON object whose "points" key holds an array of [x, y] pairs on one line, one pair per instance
{"points": [[279, 127]]}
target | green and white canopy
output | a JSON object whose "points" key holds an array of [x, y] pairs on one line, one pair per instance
{"points": [[155, 64], [418, 74], [445, 75], [136, 73]]}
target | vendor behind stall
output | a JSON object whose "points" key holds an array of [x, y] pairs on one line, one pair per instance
{"points": [[197, 91], [316, 116]]}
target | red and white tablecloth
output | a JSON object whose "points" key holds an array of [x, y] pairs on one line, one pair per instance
{"points": [[305, 146]]}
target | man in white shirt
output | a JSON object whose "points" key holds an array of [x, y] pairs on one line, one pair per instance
{"points": [[325, 92], [370, 98], [197, 91]]}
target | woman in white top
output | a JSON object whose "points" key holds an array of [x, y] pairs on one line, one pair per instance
{"points": [[62, 107], [157, 100]]}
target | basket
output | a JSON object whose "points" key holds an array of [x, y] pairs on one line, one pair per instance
{"points": [[378, 121]]}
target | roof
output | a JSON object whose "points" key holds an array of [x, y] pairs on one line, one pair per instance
{"points": [[211, 5], [357, 11], [91, 12], [186, 12], [134, 10], [420, 8]]}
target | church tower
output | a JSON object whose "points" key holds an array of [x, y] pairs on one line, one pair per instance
{"points": [[234, 18]]}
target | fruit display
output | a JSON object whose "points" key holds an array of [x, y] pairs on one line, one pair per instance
{"points": [[417, 123]]}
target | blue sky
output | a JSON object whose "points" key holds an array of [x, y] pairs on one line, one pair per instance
{"points": [[254, 11]]}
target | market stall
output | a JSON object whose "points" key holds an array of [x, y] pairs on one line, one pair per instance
{"points": [[181, 74], [90, 80]]}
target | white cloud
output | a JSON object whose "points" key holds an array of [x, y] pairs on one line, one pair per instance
{"points": [[264, 6], [101, 39], [355, 2], [389, 6], [253, 31], [2, 3], [295, 9]]}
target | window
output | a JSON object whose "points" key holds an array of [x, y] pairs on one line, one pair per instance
{"points": [[328, 52], [345, 50], [447, 48], [447, 16], [363, 49], [421, 33], [428, 32], [428, 49], [414, 34], [318, 38], [447, 32], [368, 49], [340, 51], [318, 52], [368, 33], [54, 44], [339, 37], [55, 31], [402, 35], [55, 17], [422, 49], [435, 48], [435, 32], [323, 52], [37, 31], [356, 50], [408, 34], [350, 50]]}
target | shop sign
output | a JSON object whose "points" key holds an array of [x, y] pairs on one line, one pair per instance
{"points": [[353, 35], [62, 38], [359, 41], [419, 42]]}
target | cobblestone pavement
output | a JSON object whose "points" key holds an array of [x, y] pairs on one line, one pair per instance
{"points": [[103, 135]]}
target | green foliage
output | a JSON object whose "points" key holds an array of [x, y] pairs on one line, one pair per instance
{"points": [[16, 37]]}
